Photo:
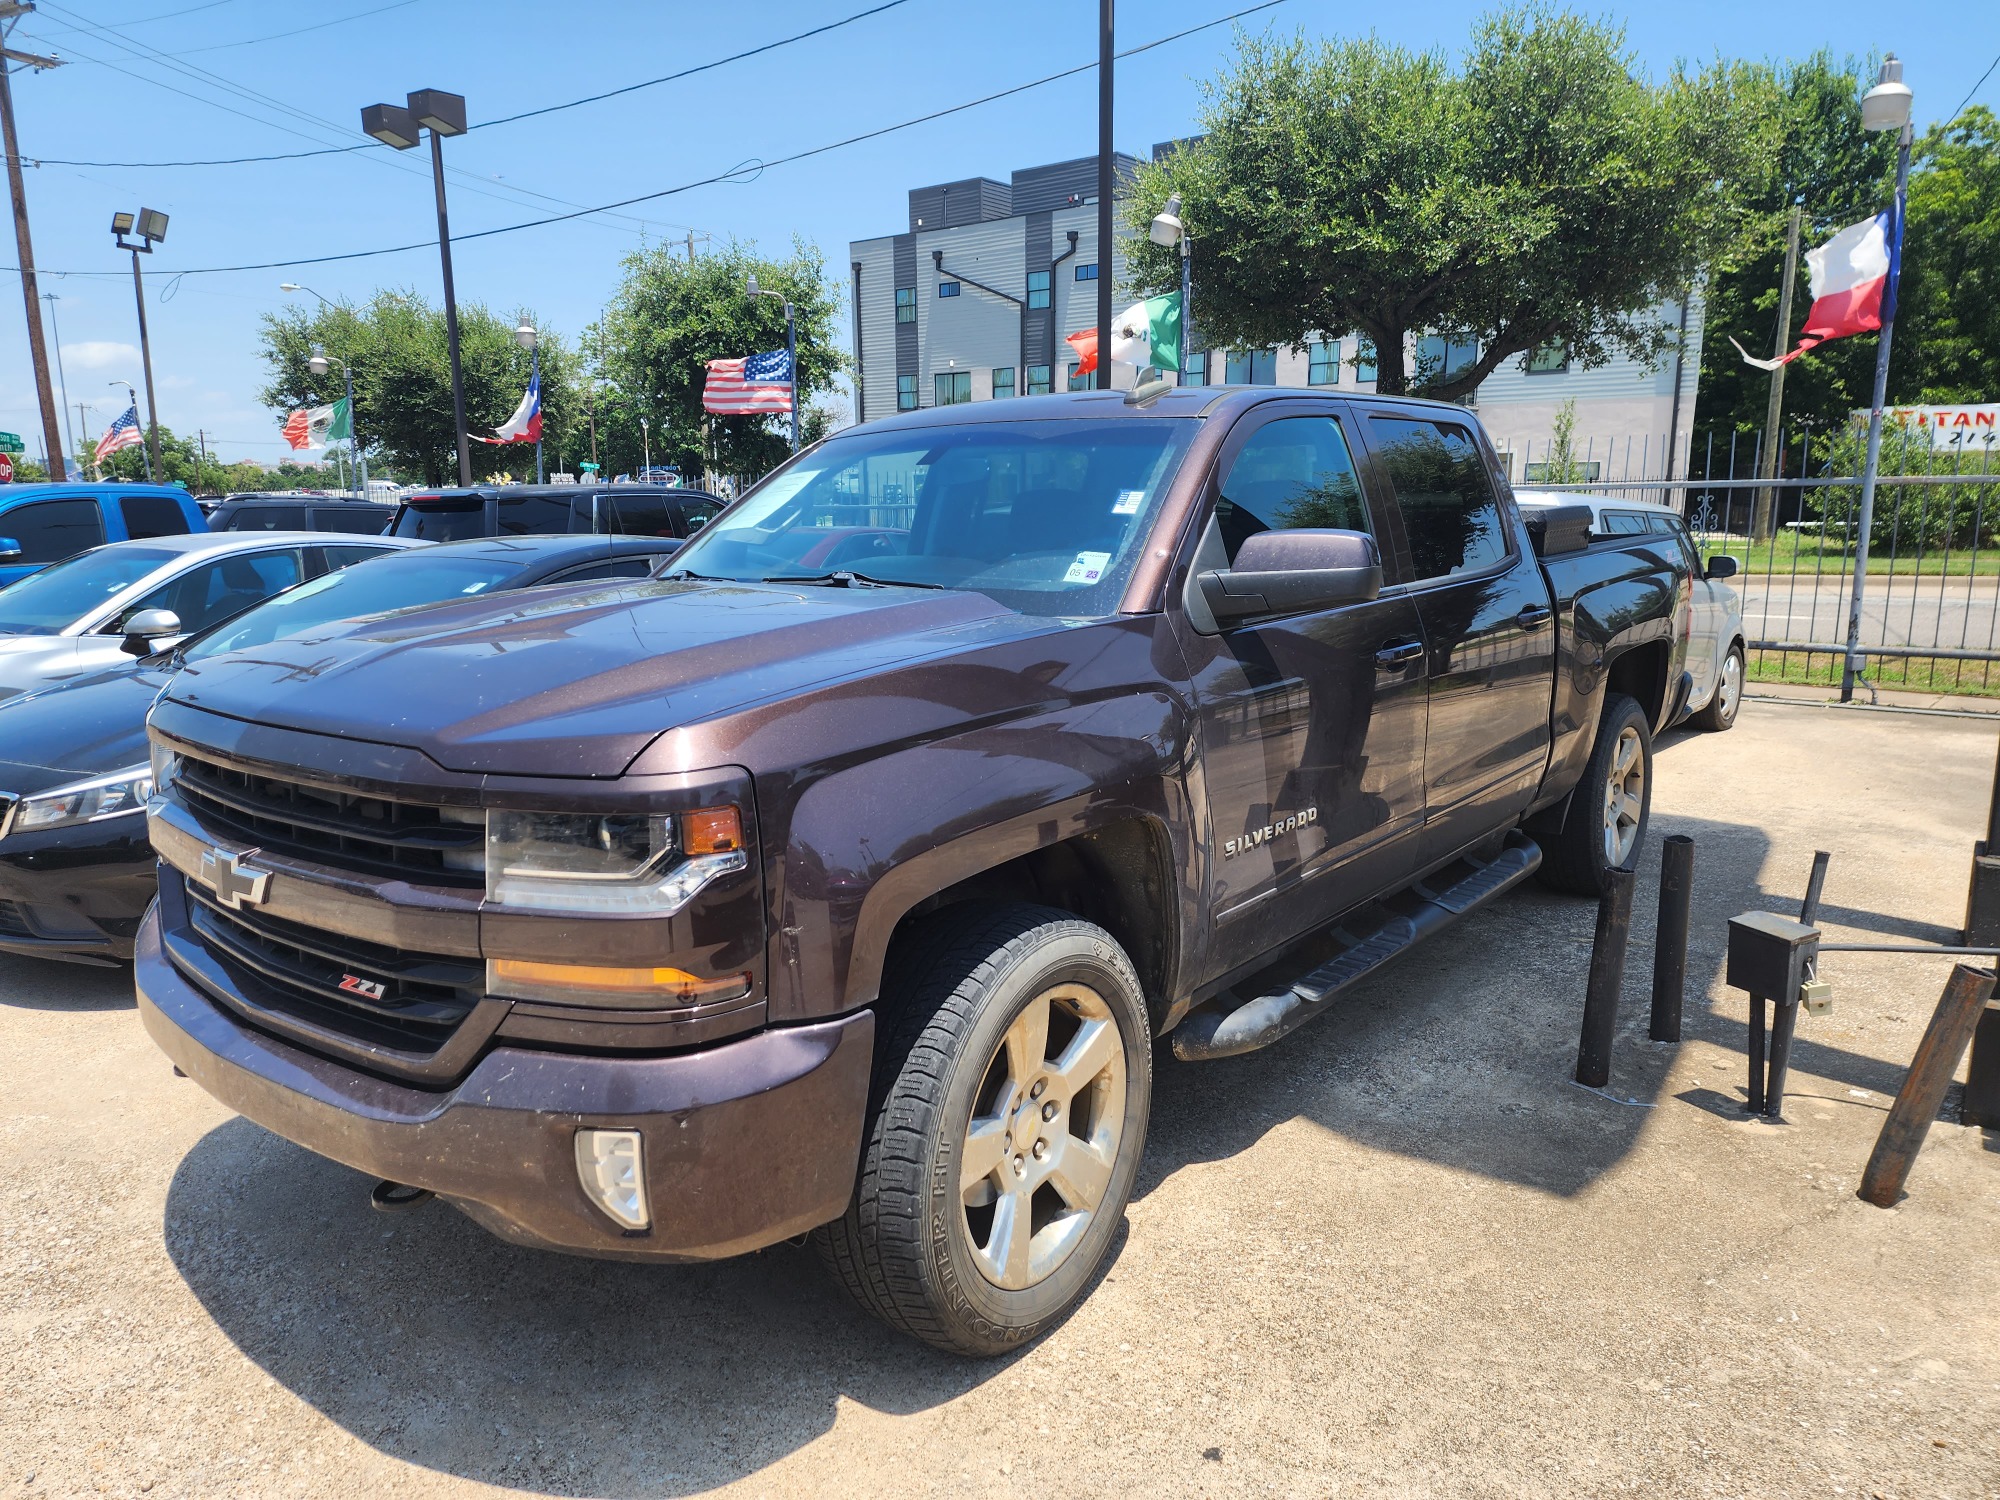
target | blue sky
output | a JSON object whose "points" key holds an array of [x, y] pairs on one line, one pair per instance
{"points": [[244, 90]]}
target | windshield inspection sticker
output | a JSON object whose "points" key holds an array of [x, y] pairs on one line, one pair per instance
{"points": [[1128, 502], [1088, 567]]}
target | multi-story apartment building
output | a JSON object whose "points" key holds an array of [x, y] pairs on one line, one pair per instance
{"points": [[973, 302]]}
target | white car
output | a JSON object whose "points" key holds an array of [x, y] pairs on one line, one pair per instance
{"points": [[1715, 644], [79, 614]]}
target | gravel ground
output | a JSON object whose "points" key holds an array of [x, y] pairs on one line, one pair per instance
{"points": [[1399, 1254]]}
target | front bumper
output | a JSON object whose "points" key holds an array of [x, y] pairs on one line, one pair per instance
{"points": [[76, 892], [745, 1143]]}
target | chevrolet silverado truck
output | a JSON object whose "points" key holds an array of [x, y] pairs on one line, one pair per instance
{"points": [[669, 920]]}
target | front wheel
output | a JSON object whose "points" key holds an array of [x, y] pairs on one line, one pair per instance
{"points": [[1606, 819], [1015, 1080], [1720, 710]]}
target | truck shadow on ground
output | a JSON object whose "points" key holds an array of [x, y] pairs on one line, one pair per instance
{"points": [[42, 984], [441, 1346]]}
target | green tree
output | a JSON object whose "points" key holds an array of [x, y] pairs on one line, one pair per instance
{"points": [[1544, 193], [1837, 173], [670, 316], [395, 345], [1947, 341]]}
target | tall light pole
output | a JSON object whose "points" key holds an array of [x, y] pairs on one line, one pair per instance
{"points": [[528, 339], [319, 365], [401, 126], [143, 452], [69, 439], [1106, 187], [791, 350], [1884, 107], [1167, 229], [646, 450], [151, 227]]}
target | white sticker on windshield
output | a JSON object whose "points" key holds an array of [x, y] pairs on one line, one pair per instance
{"points": [[1088, 567], [1128, 502]]}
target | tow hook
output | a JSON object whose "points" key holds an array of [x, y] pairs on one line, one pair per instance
{"points": [[397, 1197]]}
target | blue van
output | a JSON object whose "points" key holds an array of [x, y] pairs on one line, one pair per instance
{"points": [[44, 523]]}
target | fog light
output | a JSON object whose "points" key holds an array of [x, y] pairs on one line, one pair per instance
{"points": [[613, 1174]]}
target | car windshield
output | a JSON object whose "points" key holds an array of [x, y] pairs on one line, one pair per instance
{"points": [[48, 602], [1046, 517], [403, 580]]}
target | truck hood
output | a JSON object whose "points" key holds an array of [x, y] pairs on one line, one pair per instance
{"points": [[576, 682]]}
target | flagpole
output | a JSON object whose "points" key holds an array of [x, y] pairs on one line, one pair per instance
{"points": [[1854, 663], [535, 364], [792, 359]]}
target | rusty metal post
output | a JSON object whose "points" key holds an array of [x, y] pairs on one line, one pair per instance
{"points": [[1607, 978], [1755, 1103], [1670, 937], [1917, 1101]]}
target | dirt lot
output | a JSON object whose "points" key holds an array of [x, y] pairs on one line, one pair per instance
{"points": [[1399, 1254]]}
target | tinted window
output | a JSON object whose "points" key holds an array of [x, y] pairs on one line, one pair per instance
{"points": [[534, 515], [1440, 480], [357, 520], [1295, 472], [696, 514], [347, 557], [214, 591], [45, 602], [151, 515], [637, 566], [50, 530], [1624, 523], [267, 518], [637, 515], [454, 520]]}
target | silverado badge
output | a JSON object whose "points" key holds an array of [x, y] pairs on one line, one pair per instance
{"points": [[232, 880], [1289, 823]]}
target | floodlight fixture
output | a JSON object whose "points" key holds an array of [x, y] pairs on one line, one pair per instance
{"points": [[121, 224], [444, 113], [392, 125], [152, 225]]}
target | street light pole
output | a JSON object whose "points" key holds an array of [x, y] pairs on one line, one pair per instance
{"points": [[791, 349], [1168, 229], [1884, 107], [645, 449], [151, 227], [1106, 185], [69, 439], [143, 453], [528, 338], [318, 365]]}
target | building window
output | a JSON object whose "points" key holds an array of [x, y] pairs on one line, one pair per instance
{"points": [[1003, 383], [1196, 372], [1438, 360], [951, 387], [1078, 381], [906, 393], [1550, 359], [1364, 359], [1038, 380], [1087, 271], [1323, 363], [1038, 289], [1252, 367], [947, 289], [906, 304]]}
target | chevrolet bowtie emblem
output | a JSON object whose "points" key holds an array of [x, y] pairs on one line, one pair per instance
{"points": [[232, 880]]}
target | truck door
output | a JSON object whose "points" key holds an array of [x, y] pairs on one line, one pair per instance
{"points": [[1312, 724], [1489, 629]]}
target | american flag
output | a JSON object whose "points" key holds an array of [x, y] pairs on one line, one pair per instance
{"points": [[763, 382], [123, 433]]}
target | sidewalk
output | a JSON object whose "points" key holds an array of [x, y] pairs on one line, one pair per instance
{"points": [[1798, 692]]}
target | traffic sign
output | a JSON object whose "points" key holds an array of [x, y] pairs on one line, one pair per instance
{"points": [[6, 469], [10, 442]]}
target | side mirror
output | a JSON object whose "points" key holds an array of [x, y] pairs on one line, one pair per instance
{"points": [[1720, 566], [10, 550], [144, 631], [1283, 572]]}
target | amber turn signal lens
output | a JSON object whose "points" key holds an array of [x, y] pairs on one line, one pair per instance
{"points": [[713, 830], [521, 976]]}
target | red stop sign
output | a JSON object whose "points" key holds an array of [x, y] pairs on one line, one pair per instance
{"points": [[6, 469]]}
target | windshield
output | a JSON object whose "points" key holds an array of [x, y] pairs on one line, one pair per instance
{"points": [[1046, 517], [50, 601], [401, 581]]}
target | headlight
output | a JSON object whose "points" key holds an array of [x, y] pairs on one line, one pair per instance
{"points": [[85, 801], [609, 864], [166, 768]]}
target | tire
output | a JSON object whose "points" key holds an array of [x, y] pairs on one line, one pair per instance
{"points": [[943, 1259], [1577, 858], [1727, 699]]}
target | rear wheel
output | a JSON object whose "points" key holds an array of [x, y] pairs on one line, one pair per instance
{"points": [[1606, 818], [1013, 1091], [1720, 711]]}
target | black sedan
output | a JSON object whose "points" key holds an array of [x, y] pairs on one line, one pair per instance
{"points": [[76, 872]]}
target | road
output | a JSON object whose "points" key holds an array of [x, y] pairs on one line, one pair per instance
{"points": [[1900, 610], [1399, 1254]]}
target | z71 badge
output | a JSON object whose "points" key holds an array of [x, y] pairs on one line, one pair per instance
{"points": [[354, 984], [1290, 823]]}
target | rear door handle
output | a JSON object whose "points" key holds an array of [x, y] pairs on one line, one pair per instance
{"points": [[1535, 616], [1395, 655]]}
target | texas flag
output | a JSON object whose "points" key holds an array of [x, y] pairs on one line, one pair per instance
{"points": [[1853, 285], [525, 426]]}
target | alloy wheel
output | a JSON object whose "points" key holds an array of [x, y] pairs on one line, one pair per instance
{"points": [[1624, 797]]}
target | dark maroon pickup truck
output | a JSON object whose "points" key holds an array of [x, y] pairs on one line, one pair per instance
{"points": [[840, 880]]}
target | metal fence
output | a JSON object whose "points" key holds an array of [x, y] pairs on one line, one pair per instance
{"points": [[1930, 615]]}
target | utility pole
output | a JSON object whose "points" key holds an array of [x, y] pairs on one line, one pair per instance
{"points": [[201, 437], [83, 426], [1106, 184], [38, 349], [1763, 520]]}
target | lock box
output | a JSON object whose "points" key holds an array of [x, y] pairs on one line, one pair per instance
{"points": [[1769, 955]]}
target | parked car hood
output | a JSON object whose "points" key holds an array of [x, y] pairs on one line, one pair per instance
{"points": [[32, 661], [578, 682], [84, 727]]}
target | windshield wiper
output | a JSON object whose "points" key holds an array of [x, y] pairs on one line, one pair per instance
{"points": [[847, 578], [681, 574]]}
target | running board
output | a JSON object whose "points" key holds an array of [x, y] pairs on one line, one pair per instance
{"points": [[1212, 1031]]}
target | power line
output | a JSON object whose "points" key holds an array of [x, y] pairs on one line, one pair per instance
{"points": [[754, 169], [279, 36], [237, 161], [1973, 90]]}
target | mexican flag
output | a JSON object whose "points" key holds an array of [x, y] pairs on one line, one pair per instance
{"points": [[316, 426], [1146, 333]]}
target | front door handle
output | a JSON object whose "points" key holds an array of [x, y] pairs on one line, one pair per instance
{"points": [[1535, 616], [1395, 655]]}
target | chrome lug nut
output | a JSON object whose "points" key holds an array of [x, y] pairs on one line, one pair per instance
{"points": [[1036, 1091], [1041, 1149], [1049, 1110]]}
